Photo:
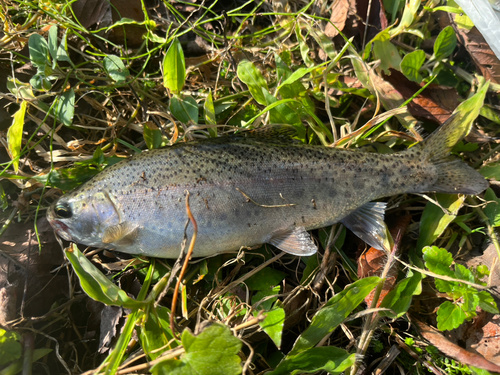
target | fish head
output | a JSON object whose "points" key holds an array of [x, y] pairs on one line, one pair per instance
{"points": [[82, 216]]}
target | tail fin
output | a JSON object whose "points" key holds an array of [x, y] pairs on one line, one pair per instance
{"points": [[454, 176]]}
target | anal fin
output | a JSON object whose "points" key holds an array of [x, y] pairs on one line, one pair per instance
{"points": [[295, 241], [367, 222], [122, 234]]}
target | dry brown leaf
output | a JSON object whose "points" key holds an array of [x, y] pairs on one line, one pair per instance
{"points": [[482, 55], [452, 350], [433, 107], [372, 262], [338, 18]]}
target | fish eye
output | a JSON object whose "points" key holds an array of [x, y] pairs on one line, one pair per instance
{"points": [[63, 210]]}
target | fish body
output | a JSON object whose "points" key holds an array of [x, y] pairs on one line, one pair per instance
{"points": [[250, 190]]}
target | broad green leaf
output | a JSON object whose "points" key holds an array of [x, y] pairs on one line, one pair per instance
{"points": [[174, 68], [15, 135], [324, 42], [260, 300], [19, 89], [40, 82], [492, 209], [388, 55], [152, 135], [95, 284], [445, 43], [18, 365], [273, 324], [115, 68], [210, 118], [330, 359], [411, 64], [304, 48], [282, 113], [449, 316], [438, 260], [156, 333], [487, 303], [409, 14], [66, 107], [334, 312], [39, 51], [251, 76], [265, 279], [434, 220], [184, 109], [491, 171], [213, 352], [62, 50], [10, 347], [68, 178], [296, 75], [52, 44], [399, 298]]}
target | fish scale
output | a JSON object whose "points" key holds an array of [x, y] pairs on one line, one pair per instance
{"points": [[245, 191]]}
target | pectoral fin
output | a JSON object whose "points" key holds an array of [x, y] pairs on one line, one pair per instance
{"points": [[367, 222], [123, 234], [295, 241]]}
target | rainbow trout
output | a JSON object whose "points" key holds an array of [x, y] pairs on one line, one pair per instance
{"points": [[250, 189]]}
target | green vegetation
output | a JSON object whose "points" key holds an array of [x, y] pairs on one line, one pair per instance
{"points": [[85, 94]]}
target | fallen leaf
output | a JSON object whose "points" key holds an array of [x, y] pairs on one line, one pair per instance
{"points": [[452, 350], [480, 51], [339, 15]]}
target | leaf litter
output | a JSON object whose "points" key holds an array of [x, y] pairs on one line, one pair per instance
{"points": [[106, 87]]}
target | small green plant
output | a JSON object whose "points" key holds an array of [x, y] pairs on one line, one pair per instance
{"points": [[458, 284]]}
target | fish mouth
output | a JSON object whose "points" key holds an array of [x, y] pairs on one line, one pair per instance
{"points": [[61, 229]]}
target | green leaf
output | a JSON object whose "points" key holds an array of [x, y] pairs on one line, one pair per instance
{"points": [[115, 68], [492, 209], [399, 298], [52, 45], [330, 359], [449, 316], [95, 284], [156, 333], [184, 109], [10, 347], [252, 77], [445, 43], [282, 113], [411, 64], [39, 51], [273, 324], [334, 312], [487, 303], [434, 220], [258, 299], [174, 68], [265, 279], [296, 75], [210, 118], [388, 55], [62, 50], [40, 82], [18, 365], [214, 351], [491, 171], [15, 135], [438, 260], [152, 136], [66, 107]]}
